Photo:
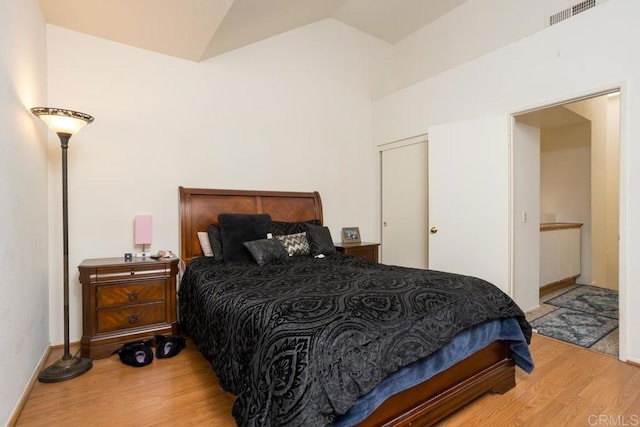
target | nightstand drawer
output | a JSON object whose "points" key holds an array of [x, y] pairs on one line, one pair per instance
{"points": [[368, 252], [117, 295], [124, 301], [364, 250], [110, 319], [114, 273]]}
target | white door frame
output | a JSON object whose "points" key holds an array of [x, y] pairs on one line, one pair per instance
{"points": [[623, 201]]}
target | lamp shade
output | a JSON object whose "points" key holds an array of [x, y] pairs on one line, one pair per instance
{"points": [[62, 121], [142, 229]]}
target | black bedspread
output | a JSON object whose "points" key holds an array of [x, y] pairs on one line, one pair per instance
{"points": [[299, 342]]}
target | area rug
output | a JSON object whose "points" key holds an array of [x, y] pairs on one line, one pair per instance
{"points": [[584, 316], [589, 299]]}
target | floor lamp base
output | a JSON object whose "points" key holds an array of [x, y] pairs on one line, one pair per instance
{"points": [[65, 369]]}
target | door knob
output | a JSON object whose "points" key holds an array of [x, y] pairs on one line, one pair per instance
{"points": [[434, 230]]}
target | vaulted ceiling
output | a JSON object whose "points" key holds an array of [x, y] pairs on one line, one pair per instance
{"points": [[201, 29]]}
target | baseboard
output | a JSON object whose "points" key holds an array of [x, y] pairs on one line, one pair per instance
{"points": [[551, 287], [27, 391], [633, 363]]}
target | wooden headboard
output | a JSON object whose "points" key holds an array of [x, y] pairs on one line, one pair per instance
{"points": [[200, 207]]}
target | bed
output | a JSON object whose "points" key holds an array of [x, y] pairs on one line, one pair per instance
{"points": [[234, 314]]}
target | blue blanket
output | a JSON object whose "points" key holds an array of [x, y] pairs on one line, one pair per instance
{"points": [[462, 346]]}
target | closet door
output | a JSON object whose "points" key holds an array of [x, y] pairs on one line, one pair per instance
{"points": [[468, 169], [404, 205]]}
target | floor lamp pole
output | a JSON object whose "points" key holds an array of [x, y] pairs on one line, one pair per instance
{"points": [[64, 144]]}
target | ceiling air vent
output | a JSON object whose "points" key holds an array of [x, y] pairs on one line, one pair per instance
{"points": [[571, 11]]}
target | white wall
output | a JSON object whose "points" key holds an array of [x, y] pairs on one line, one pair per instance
{"points": [[471, 30], [23, 200], [292, 112], [526, 216], [603, 111], [565, 182], [612, 196], [549, 66]]}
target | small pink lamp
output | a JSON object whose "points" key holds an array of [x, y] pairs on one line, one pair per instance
{"points": [[142, 232]]}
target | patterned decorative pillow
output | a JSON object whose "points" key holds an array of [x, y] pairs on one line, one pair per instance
{"points": [[266, 251], [295, 244], [281, 228]]}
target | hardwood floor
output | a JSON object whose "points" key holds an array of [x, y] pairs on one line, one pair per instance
{"points": [[179, 391], [570, 386]]}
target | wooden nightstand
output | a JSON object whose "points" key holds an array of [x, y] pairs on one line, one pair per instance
{"points": [[126, 301], [364, 250]]}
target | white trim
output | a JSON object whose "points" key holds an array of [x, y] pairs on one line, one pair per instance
{"points": [[623, 221], [17, 410], [511, 273], [567, 99], [403, 142]]}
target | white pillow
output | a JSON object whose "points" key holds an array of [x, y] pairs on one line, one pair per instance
{"points": [[205, 244]]}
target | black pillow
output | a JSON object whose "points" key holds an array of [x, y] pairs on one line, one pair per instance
{"points": [[216, 242], [282, 228], [265, 251], [320, 240], [235, 229]]}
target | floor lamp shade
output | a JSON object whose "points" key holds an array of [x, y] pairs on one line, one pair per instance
{"points": [[65, 123], [142, 229], [62, 121]]}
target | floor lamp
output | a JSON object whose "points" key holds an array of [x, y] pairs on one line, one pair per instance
{"points": [[65, 123]]}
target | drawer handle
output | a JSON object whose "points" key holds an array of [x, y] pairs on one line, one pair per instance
{"points": [[133, 296], [133, 319], [133, 272]]}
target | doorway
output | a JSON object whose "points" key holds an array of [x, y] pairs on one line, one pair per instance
{"points": [[403, 171], [566, 177]]}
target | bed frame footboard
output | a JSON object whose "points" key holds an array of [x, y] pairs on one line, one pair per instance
{"points": [[490, 369]]}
